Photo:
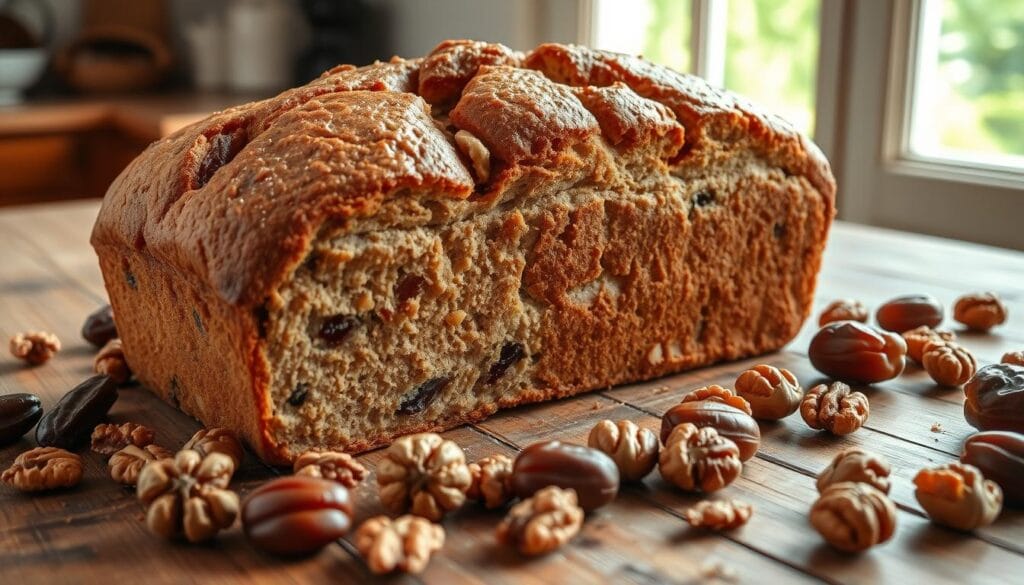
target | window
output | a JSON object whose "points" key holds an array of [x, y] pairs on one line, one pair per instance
{"points": [[968, 94], [919, 104]]}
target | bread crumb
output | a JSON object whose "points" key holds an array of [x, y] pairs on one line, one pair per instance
{"points": [[936, 427], [718, 571], [455, 318], [595, 406]]}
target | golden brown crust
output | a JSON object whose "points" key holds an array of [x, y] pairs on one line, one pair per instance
{"points": [[212, 221]]}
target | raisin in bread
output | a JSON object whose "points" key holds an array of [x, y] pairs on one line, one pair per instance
{"points": [[416, 244]]}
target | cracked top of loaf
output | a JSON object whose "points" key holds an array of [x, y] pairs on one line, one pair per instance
{"points": [[234, 201]]}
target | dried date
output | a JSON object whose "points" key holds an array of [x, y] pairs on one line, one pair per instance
{"points": [[591, 473], [99, 327], [730, 422], [294, 516], [18, 414], [854, 352], [1000, 457], [70, 423], [909, 312], [995, 398]]}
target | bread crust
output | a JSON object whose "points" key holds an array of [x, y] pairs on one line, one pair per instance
{"points": [[230, 208]]}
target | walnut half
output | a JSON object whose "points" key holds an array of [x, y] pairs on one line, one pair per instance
{"points": [[126, 465], [44, 468], [543, 522], [856, 465], [853, 516], [773, 393], [35, 347], [491, 481], [332, 465], [719, 514], [699, 459], [948, 363], [403, 544], [108, 439], [187, 495], [835, 408], [217, 440], [958, 495], [633, 449], [424, 474]]}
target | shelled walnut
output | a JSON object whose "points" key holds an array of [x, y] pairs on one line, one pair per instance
{"points": [[543, 522], [491, 481], [126, 464], [110, 362], [719, 514], [835, 408], [1013, 357], [917, 338], [948, 363], [187, 495], [403, 544], [217, 440], [424, 474], [773, 393], [108, 439], [332, 465], [853, 516], [843, 310], [717, 393], [44, 468], [35, 347], [633, 449], [859, 466], [958, 495], [980, 311], [698, 459]]}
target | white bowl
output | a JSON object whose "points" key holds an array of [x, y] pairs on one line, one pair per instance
{"points": [[19, 69]]}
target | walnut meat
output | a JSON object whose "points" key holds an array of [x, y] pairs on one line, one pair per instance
{"points": [[948, 363], [699, 459], [35, 347], [958, 495], [110, 362], [44, 468], [424, 474], [834, 408], [126, 464], [918, 337], [477, 153], [843, 310], [491, 481], [716, 393], [719, 514], [1013, 357], [187, 495], [853, 516], [859, 466], [332, 465], [980, 311], [404, 544], [543, 522], [217, 440], [108, 439], [633, 449], [773, 393]]}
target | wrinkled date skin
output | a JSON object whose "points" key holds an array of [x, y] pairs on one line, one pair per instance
{"points": [[995, 398], [298, 515], [70, 423], [18, 414], [99, 327], [1000, 457], [854, 352], [592, 473], [730, 422], [909, 312]]}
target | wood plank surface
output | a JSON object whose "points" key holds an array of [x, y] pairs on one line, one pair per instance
{"points": [[49, 280]]}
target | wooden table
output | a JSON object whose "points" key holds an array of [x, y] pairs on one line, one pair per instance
{"points": [[49, 280]]}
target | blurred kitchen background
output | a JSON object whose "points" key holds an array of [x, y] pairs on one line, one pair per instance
{"points": [[919, 104]]}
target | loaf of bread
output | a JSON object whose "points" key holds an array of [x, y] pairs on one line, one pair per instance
{"points": [[413, 245]]}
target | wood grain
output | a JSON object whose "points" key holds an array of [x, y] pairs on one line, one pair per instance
{"points": [[49, 280]]}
